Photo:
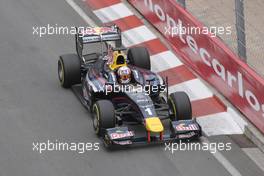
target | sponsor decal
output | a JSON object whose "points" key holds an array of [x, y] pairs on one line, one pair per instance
{"points": [[98, 30], [127, 142], [121, 134], [186, 127], [184, 136]]}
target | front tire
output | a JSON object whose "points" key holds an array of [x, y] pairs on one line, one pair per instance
{"points": [[103, 116], [69, 70], [180, 106], [139, 56]]}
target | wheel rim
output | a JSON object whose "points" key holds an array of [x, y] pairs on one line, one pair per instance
{"points": [[107, 141], [96, 119], [60, 72], [173, 108]]}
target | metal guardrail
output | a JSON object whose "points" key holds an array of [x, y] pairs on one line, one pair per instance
{"points": [[245, 17]]}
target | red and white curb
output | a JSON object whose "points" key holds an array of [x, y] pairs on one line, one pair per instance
{"points": [[214, 116]]}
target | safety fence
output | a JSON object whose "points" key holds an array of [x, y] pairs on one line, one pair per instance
{"points": [[245, 17]]}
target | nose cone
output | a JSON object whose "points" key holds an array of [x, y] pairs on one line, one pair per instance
{"points": [[153, 124]]}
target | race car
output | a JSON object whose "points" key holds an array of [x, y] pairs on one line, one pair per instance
{"points": [[129, 103]]}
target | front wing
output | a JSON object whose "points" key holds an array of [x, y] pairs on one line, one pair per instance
{"points": [[179, 130]]}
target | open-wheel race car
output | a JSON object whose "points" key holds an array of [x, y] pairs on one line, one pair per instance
{"points": [[129, 103]]}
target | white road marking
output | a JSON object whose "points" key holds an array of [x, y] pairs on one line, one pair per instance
{"points": [[164, 61], [82, 14], [220, 157], [113, 12], [137, 35], [256, 155], [195, 89]]}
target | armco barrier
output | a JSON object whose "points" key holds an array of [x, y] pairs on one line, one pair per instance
{"points": [[209, 57]]}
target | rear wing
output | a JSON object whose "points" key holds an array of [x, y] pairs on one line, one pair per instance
{"points": [[99, 34]]}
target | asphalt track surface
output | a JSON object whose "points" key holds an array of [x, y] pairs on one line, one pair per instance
{"points": [[34, 108]]}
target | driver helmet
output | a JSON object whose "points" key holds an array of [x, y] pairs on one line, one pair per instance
{"points": [[124, 74]]}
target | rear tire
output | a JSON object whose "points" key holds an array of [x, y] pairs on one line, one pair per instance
{"points": [[69, 70], [103, 116], [180, 105], [139, 56]]}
